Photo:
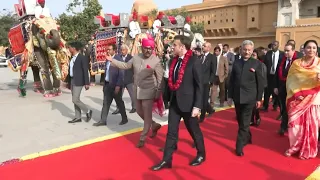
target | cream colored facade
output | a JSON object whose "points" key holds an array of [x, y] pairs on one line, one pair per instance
{"points": [[233, 21], [298, 20]]}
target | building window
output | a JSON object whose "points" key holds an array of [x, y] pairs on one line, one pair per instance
{"points": [[221, 21], [215, 21], [232, 20], [208, 22], [318, 11], [195, 22], [226, 20], [253, 19]]}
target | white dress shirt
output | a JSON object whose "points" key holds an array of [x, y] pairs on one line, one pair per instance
{"points": [[204, 57], [41, 11], [134, 29], [107, 70], [73, 60], [275, 61]]}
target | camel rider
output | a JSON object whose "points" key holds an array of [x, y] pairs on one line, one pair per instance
{"points": [[134, 26], [187, 25], [41, 11], [157, 24]]}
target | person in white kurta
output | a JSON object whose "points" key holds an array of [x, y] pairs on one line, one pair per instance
{"points": [[41, 11], [134, 26]]}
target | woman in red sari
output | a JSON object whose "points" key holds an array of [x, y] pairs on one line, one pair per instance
{"points": [[303, 103]]}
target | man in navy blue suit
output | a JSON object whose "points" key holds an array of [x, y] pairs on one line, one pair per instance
{"points": [[112, 89]]}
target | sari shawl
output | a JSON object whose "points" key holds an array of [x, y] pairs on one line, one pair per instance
{"points": [[303, 113]]}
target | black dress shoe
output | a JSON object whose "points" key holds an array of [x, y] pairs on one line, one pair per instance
{"points": [[140, 144], [123, 122], [89, 116], [162, 165], [133, 110], [75, 120], [100, 123], [239, 153], [279, 117], [117, 111], [281, 132], [197, 161], [258, 121]]}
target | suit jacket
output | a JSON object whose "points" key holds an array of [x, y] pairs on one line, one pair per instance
{"points": [[280, 78], [116, 75], [268, 60], [223, 68], [128, 74], [230, 57], [246, 86], [148, 74], [209, 68], [189, 94], [80, 71]]}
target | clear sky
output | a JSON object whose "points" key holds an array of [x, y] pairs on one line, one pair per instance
{"points": [[109, 6]]}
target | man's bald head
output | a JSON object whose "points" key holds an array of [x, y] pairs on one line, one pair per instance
{"points": [[206, 47]]}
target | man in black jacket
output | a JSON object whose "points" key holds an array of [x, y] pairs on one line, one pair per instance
{"points": [[209, 67], [245, 89], [272, 59], [78, 77], [185, 83]]}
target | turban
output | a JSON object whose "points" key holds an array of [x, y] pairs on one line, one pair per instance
{"points": [[188, 19], [148, 42], [41, 1], [160, 15], [134, 15]]}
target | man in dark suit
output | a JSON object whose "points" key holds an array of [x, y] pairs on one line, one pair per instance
{"points": [[186, 101], [112, 89], [298, 53], [280, 85], [246, 88], [272, 59], [128, 79], [78, 77], [209, 67]]}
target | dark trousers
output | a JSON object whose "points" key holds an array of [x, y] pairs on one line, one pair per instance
{"points": [[283, 107], [206, 105], [227, 86], [166, 93], [192, 126], [108, 96], [268, 91], [255, 114], [244, 113]]}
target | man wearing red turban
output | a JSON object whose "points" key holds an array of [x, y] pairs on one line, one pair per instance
{"points": [[157, 23], [41, 11], [148, 74], [134, 26]]}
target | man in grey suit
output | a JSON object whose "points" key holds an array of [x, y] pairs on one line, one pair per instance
{"points": [[230, 57], [78, 77]]}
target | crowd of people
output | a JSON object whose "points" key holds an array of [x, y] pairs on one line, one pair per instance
{"points": [[188, 81]]}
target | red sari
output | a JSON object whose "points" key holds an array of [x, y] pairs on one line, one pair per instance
{"points": [[303, 105]]}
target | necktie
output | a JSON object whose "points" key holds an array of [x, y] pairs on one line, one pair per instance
{"points": [[288, 64], [176, 71], [204, 58], [273, 65]]}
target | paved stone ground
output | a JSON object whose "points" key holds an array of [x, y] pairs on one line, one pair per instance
{"points": [[33, 124]]}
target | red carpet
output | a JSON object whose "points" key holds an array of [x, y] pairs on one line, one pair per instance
{"points": [[119, 159]]}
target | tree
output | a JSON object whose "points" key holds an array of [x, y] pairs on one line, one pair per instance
{"points": [[7, 21], [80, 25]]}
